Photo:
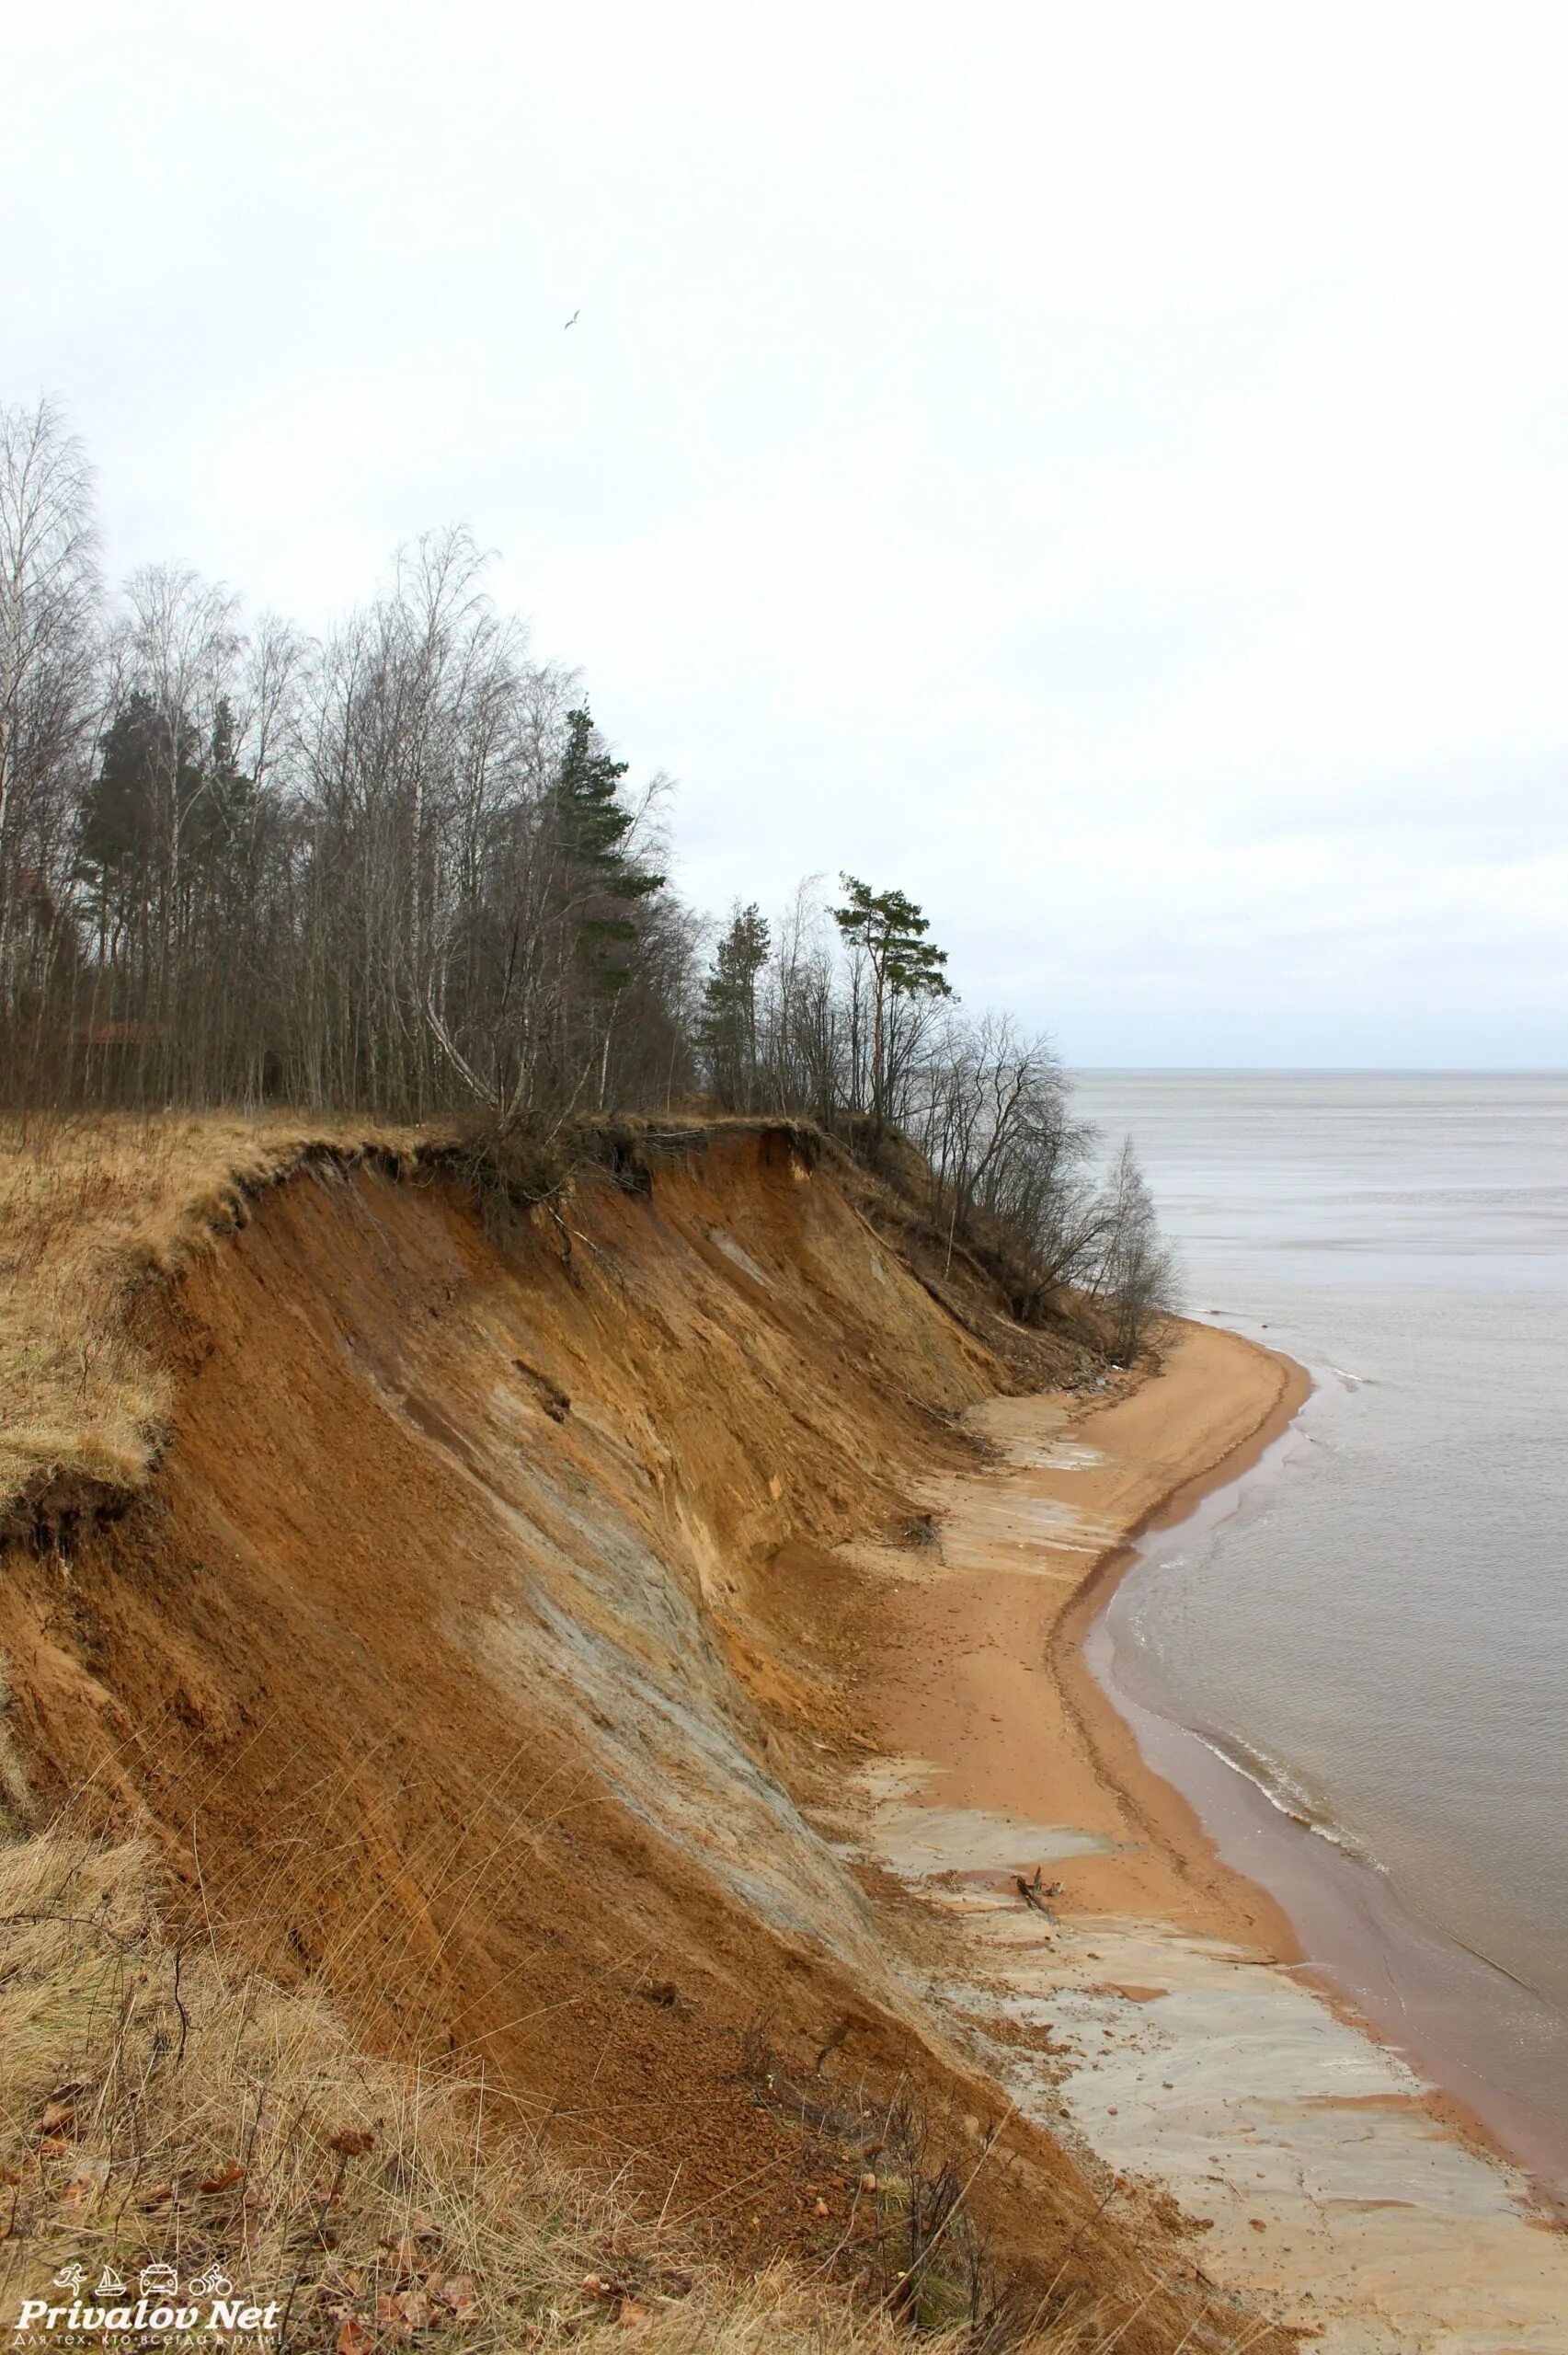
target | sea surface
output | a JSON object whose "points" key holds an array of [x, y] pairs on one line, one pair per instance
{"points": [[1370, 1639]]}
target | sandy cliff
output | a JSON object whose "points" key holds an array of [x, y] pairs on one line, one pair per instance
{"points": [[462, 1655]]}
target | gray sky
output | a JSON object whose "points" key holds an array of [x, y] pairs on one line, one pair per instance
{"points": [[1103, 470]]}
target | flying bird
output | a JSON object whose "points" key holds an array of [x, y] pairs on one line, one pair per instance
{"points": [[575, 318]]}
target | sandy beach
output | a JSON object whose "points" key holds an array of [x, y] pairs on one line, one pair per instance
{"points": [[988, 1675], [1185, 2043]]}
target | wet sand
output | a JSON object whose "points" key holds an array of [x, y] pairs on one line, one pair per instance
{"points": [[1187, 2044]]}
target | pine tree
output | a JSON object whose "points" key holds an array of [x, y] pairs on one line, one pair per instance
{"points": [[890, 932]]}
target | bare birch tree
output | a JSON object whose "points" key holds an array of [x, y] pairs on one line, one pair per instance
{"points": [[48, 644]]}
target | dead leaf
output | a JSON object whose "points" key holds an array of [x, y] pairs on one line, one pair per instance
{"points": [[157, 2196], [225, 2178], [633, 2314], [401, 2314], [351, 2141], [458, 2293], [355, 2337], [59, 2117]]}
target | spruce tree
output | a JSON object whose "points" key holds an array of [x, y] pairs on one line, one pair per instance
{"points": [[729, 1008], [599, 881]]}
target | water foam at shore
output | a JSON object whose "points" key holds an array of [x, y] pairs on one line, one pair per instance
{"points": [[1282, 1789]]}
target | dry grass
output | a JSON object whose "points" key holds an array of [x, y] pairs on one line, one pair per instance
{"points": [[90, 1206], [94, 1204], [157, 2107]]}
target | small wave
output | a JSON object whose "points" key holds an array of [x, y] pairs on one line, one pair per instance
{"points": [[1283, 1791]]}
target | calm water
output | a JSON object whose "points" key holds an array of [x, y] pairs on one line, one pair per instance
{"points": [[1378, 1629]]}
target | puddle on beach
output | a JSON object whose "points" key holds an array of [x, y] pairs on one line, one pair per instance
{"points": [[1011, 1520], [920, 1842], [1032, 1525], [1032, 1437]]}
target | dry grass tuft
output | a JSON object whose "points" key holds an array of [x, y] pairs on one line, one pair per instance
{"points": [[159, 2108], [90, 1206]]}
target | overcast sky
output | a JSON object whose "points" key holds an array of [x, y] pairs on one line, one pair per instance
{"points": [[1101, 469]]}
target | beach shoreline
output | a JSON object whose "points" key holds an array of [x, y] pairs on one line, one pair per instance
{"points": [[1170, 1815], [1164, 1442], [1202, 2051], [1174, 1813]]}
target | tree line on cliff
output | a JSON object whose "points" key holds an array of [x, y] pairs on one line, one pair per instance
{"points": [[397, 869]]}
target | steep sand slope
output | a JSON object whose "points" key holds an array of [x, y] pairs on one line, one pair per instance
{"points": [[428, 1655]]}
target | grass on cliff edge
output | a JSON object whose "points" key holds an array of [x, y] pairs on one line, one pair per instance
{"points": [[88, 1206], [91, 1204], [157, 2107]]}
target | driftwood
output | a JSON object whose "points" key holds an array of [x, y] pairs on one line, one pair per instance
{"points": [[1033, 1894]]}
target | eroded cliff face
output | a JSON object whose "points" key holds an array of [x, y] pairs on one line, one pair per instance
{"points": [[461, 1653]]}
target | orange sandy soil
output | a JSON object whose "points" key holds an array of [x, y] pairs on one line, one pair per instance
{"points": [[985, 1677], [467, 1648]]}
